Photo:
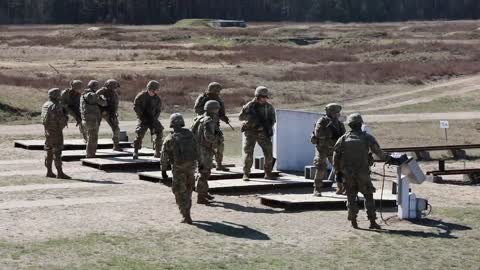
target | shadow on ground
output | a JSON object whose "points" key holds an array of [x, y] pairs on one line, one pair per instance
{"points": [[231, 229]]}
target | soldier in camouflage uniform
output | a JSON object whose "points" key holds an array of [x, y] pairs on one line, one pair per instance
{"points": [[352, 160], [327, 131], [54, 119], [180, 151], [70, 99], [147, 106], [207, 132], [110, 111], [90, 104], [258, 118], [213, 93]]}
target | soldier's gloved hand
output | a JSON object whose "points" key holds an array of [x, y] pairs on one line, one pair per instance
{"points": [[164, 175]]}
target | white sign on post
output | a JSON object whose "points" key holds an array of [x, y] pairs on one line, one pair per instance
{"points": [[444, 124]]}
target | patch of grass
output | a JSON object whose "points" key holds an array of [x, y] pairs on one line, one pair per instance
{"points": [[443, 104], [187, 23]]}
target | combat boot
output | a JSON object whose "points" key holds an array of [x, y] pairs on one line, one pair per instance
{"points": [[222, 168], [187, 219], [202, 200], [269, 176], [48, 165], [340, 189], [354, 223], [317, 193], [62, 175], [116, 147], [135, 154], [50, 174], [374, 225], [209, 197], [246, 177]]}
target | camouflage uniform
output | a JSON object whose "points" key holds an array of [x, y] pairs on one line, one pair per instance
{"points": [[212, 93], [91, 116], [54, 119], [206, 131], [259, 120], [352, 161], [110, 111], [180, 151], [70, 99], [327, 131], [148, 110]]}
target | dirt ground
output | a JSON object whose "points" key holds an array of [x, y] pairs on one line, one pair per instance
{"points": [[102, 220]]}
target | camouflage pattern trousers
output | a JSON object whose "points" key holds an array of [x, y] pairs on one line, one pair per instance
{"points": [[205, 166], [182, 186], [356, 182], [156, 129], [219, 149], [81, 127], [53, 147], [250, 138], [112, 121], [321, 169], [91, 128]]}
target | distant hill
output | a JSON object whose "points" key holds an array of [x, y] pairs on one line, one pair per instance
{"points": [[169, 11]]}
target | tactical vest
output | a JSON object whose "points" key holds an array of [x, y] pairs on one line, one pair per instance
{"points": [[355, 153], [89, 106], [185, 146], [54, 116]]}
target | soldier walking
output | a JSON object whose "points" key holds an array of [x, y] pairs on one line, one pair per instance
{"points": [[207, 132], [258, 118], [181, 151], [327, 131], [54, 119], [147, 106], [110, 111], [70, 99], [90, 104], [352, 160], [213, 93]]}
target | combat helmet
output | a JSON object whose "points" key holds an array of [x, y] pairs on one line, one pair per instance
{"points": [[262, 91], [333, 108], [176, 120], [76, 84], [153, 85], [54, 94], [354, 119], [93, 85], [111, 83], [211, 106], [214, 88]]}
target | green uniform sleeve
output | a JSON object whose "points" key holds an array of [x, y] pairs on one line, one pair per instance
{"points": [[167, 157], [138, 105], [375, 148], [199, 103], [209, 131], [337, 154]]}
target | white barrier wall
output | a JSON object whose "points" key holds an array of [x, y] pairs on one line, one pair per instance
{"points": [[291, 142]]}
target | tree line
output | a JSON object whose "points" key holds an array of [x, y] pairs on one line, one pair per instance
{"points": [[169, 11]]}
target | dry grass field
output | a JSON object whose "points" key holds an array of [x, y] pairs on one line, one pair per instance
{"points": [[404, 77]]}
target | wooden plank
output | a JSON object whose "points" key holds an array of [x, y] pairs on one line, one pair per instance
{"points": [[432, 148], [454, 172], [329, 200], [76, 155], [123, 163], [68, 144]]}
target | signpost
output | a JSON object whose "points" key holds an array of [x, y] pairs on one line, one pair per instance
{"points": [[445, 125]]}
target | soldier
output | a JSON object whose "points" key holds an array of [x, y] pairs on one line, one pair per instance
{"points": [[110, 111], [207, 132], [54, 119], [180, 151], [70, 99], [147, 106], [259, 117], [352, 159], [213, 93], [327, 131], [90, 104]]}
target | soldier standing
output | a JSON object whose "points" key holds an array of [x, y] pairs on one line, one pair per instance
{"points": [[327, 131], [54, 119], [259, 118], [352, 161], [207, 132], [147, 106], [213, 93], [110, 111], [90, 104], [70, 99], [180, 151]]}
